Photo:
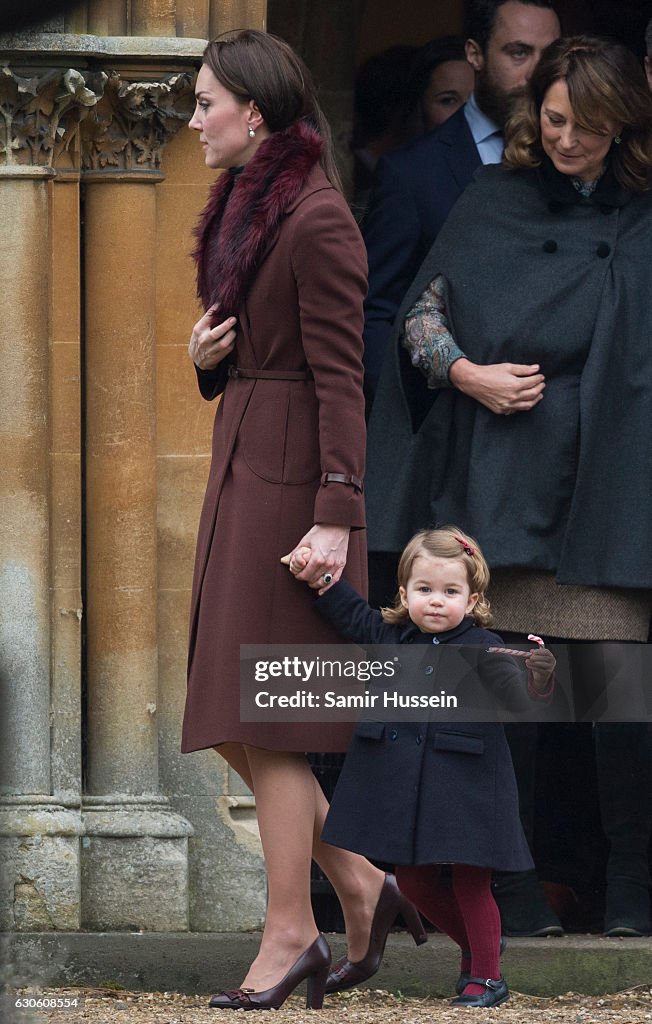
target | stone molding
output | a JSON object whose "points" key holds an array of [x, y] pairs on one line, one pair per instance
{"points": [[38, 113], [159, 48], [119, 815], [39, 866], [133, 121], [129, 122]]}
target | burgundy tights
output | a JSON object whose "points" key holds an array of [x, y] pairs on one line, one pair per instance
{"points": [[464, 910]]}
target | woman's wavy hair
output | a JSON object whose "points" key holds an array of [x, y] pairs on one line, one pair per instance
{"points": [[255, 65], [605, 83], [444, 542]]}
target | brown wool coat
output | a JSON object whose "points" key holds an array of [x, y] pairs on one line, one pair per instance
{"points": [[273, 442]]}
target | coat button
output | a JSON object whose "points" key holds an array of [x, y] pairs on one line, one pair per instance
{"points": [[550, 245], [429, 670], [603, 250], [393, 734], [419, 739], [435, 640]]}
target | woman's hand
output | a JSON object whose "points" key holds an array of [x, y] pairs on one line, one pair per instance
{"points": [[323, 550], [504, 388], [210, 345]]}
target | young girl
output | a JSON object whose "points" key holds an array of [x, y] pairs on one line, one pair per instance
{"points": [[422, 795]]}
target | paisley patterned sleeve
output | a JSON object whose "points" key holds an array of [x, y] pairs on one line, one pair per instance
{"points": [[427, 337]]}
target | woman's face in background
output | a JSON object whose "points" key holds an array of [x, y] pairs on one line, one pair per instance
{"points": [[572, 149], [450, 86]]}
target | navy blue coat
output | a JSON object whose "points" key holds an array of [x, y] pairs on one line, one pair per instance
{"points": [[423, 793], [415, 188]]}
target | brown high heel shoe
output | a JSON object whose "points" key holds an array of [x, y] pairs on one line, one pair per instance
{"points": [[391, 902], [312, 965]]}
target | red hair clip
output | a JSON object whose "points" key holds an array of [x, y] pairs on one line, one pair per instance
{"points": [[467, 547]]}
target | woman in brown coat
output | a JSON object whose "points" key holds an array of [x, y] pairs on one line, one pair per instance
{"points": [[282, 275]]}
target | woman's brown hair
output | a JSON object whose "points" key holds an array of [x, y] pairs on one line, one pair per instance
{"points": [[445, 542], [605, 83], [254, 65]]}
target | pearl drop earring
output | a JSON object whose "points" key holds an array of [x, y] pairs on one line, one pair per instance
{"points": [[252, 132]]}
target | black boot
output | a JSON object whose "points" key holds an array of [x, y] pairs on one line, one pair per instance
{"points": [[523, 906], [624, 764]]}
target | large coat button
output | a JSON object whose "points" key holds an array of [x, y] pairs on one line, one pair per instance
{"points": [[603, 250], [429, 670], [550, 245]]}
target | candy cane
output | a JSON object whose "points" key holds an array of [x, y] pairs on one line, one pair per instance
{"points": [[508, 650]]}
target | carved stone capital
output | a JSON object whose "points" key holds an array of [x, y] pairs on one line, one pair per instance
{"points": [[134, 120], [37, 114]]}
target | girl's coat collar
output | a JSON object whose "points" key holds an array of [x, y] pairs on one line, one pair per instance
{"points": [[414, 635]]}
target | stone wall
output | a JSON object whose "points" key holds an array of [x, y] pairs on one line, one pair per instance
{"points": [[103, 824]]}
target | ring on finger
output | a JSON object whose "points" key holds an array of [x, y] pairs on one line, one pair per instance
{"points": [[327, 578]]}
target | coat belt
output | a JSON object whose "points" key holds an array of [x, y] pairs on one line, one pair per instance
{"points": [[240, 371]]}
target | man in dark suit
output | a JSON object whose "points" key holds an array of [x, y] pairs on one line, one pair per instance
{"points": [[416, 186]]}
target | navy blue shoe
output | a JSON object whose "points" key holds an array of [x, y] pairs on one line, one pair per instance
{"points": [[496, 992], [464, 977]]}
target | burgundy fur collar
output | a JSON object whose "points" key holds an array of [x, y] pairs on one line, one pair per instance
{"points": [[243, 212]]}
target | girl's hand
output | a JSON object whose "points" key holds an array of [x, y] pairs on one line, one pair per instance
{"points": [[504, 388], [541, 662], [322, 551], [297, 560], [210, 345]]}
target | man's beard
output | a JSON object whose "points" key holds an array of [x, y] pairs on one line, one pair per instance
{"points": [[493, 101]]}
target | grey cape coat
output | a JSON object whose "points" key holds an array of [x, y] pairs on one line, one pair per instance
{"points": [[534, 274]]}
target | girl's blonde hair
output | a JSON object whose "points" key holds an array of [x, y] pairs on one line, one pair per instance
{"points": [[445, 542]]}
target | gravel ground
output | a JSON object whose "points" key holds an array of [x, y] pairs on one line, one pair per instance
{"points": [[110, 1006]]}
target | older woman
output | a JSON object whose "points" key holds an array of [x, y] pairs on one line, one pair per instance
{"points": [[545, 262]]}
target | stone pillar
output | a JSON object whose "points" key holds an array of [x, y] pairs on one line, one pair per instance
{"points": [[192, 18], [39, 885], [232, 14], [107, 17], [134, 846], [153, 18]]}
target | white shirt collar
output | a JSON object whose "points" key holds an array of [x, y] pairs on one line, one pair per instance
{"points": [[482, 127]]}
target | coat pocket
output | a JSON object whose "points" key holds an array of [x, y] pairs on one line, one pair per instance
{"points": [[262, 435], [459, 742], [279, 435], [301, 460], [370, 730]]}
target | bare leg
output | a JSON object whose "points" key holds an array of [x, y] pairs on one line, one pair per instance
{"points": [[357, 883], [236, 756], [285, 807]]}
